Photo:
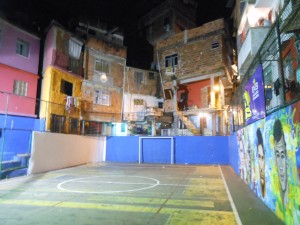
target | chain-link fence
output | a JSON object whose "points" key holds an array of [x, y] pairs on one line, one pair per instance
{"points": [[280, 61]]}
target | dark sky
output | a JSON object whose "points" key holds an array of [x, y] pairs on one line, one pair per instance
{"points": [[114, 12], [36, 15]]}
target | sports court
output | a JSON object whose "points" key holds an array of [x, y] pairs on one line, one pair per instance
{"points": [[118, 193]]}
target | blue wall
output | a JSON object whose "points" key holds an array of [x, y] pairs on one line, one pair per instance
{"points": [[187, 150], [233, 153], [15, 135]]}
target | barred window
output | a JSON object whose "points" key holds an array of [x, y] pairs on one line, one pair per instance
{"points": [[74, 123], [20, 87], [57, 123]]}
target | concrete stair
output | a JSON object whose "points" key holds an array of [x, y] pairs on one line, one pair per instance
{"points": [[190, 126]]}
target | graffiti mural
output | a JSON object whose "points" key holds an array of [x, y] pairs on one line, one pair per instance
{"points": [[269, 161]]}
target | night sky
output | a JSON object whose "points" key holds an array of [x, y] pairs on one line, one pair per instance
{"points": [[36, 15]]}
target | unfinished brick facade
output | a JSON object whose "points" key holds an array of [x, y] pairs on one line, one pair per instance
{"points": [[200, 51], [102, 99]]}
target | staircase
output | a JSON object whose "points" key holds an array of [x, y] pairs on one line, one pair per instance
{"points": [[190, 126]]}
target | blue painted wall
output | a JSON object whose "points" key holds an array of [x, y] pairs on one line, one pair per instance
{"points": [[233, 153], [201, 150], [15, 135], [188, 150]]}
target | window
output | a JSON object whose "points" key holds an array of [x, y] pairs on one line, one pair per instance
{"points": [[167, 24], [151, 76], [171, 60], [66, 87], [215, 45], [74, 123], [102, 66], [57, 123], [102, 97], [91, 127], [22, 48], [138, 78], [20, 87], [75, 48]]}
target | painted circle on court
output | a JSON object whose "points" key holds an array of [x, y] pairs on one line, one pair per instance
{"points": [[107, 184]]}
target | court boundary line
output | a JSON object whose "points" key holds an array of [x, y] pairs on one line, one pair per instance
{"points": [[235, 212]]}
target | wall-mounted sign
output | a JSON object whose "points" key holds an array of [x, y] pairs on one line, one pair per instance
{"points": [[254, 98]]}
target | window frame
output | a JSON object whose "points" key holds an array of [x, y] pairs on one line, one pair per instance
{"points": [[139, 78], [102, 62], [23, 48], [20, 88], [63, 87], [101, 97], [171, 60]]}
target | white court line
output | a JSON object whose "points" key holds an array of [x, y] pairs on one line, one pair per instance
{"points": [[235, 212], [60, 185]]}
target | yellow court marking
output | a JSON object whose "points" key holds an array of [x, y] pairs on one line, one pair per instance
{"points": [[144, 200], [178, 216], [98, 206]]}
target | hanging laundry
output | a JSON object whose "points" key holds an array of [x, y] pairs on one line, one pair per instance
{"points": [[69, 103]]}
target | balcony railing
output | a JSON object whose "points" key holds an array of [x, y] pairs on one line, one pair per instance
{"points": [[250, 47]]}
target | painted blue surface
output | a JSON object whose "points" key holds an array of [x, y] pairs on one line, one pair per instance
{"points": [[156, 150], [233, 153], [15, 135], [122, 149], [201, 150], [187, 150]]}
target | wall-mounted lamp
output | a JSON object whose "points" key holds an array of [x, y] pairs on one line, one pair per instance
{"points": [[103, 77], [216, 88]]}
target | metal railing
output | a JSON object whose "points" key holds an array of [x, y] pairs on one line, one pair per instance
{"points": [[279, 56]]}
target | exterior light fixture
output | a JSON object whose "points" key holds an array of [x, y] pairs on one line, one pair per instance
{"points": [[103, 77], [216, 88]]}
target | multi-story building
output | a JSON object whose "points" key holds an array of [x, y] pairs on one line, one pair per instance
{"points": [[197, 76], [102, 88], [19, 61], [115, 98], [163, 21], [62, 79], [167, 19], [142, 103]]}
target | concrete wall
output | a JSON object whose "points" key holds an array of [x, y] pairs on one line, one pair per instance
{"points": [[52, 151]]}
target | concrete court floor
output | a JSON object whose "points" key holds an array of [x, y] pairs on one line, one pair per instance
{"points": [[132, 194]]}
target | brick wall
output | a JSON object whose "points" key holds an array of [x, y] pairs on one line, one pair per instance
{"points": [[196, 56]]}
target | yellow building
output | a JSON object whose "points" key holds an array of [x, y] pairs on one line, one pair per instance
{"points": [[62, 80]]}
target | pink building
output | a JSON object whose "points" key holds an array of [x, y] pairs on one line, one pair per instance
{"points": [[19, 60]]}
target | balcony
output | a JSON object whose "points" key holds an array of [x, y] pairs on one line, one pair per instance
{"points": [[264, 3], [250, 47]]}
